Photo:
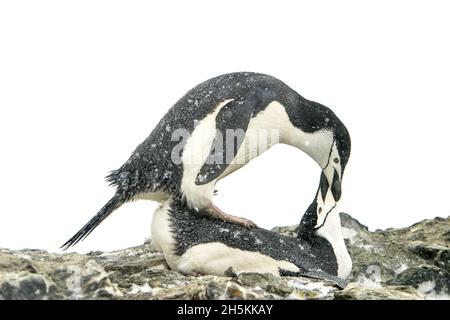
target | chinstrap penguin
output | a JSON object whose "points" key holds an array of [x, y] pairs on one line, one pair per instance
{"points": [[195, 244], [171, 162]]}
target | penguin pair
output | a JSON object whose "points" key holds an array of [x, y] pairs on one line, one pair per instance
{"points": [[214, 130]]}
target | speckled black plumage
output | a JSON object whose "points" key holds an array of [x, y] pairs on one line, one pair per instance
{"points": [[314, 255], [150, 167]]}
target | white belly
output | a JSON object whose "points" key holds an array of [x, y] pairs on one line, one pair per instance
{"points": [[162, 238], [195, 152], [264, 131], [210, 258], [215, 258]]}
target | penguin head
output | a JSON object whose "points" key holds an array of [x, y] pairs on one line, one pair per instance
{"points": [[329, 191], [327, 141], [338, 157]]}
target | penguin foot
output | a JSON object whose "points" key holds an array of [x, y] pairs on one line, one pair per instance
{"points": [[215, 212]]}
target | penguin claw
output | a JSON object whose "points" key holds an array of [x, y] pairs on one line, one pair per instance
{"points": [[217, 213], [246, 223]]}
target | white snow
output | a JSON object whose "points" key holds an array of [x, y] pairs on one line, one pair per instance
{"points": [[145, 288]]}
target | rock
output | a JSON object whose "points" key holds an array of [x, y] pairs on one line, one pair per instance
{"points": [[351, 223], [360, 292], [447, 236], [31, 274], [25, 286], [265, 281], [437, 254], [381, 255], [430, 280], [407, 263]]}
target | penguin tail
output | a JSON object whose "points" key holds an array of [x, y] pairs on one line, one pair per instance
{"points": [[107, 209]]}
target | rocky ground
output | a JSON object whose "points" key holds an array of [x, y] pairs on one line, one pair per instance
{"points": [[409, 263]]}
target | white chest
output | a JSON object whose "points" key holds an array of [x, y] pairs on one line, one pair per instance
{"points": [[332, 231], [267, 128]]}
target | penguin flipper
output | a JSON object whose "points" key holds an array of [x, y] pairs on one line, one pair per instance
{"points": [[231, 126]]}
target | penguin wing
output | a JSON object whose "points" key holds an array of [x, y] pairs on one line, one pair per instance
{"points": [[231, 126]]}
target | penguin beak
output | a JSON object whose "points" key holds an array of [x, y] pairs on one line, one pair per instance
{"points": [[336, 186], [330, 179]]}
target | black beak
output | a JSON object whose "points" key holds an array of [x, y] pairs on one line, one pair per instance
{"points": [[336, 186]]}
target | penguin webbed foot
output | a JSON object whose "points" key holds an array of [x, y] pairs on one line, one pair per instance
{"points": [[216, 213]]}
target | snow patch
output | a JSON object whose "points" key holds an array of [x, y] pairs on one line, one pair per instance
{"points": [[319, 287], [428, 289], [401, 268], [145, 288]]}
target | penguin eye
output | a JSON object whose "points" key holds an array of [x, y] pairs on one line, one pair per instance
{"points": [[320, 209], [336, 160]]}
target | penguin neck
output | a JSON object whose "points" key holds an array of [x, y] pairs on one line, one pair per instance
{"points": [[327, 222], [329, 227], [331, 230], [326, 225]]}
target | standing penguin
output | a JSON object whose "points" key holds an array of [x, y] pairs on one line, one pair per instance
{"points": [[206, 135]]}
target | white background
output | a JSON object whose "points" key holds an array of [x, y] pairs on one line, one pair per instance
{"points": [[82, 83]]}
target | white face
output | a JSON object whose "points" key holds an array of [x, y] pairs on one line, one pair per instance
{"points": [[333, 162], [319, 147], [317, 144]]}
